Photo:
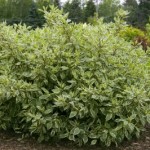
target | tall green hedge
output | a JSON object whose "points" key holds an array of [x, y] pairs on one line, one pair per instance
{"points": [[73, 81]]}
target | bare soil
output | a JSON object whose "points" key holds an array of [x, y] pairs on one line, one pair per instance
{"points": [[10, 141]]}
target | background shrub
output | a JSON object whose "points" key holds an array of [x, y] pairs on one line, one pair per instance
{"points": [[136, 36], [129, 33], [74, 81]]}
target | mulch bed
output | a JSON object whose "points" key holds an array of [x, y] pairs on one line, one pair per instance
{"points": [[10, 141]]}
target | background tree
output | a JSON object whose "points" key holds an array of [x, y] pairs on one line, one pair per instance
{"points": [[57, 3], [2, 9], [33, 18], [89, 10], [74, 10], [108, 8], [132, 7], [15, 11], [43, 3], [143, 12]]}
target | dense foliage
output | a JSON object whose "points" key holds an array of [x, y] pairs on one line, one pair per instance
{"points": [[136, 36], [130, 33], [74, 81]]}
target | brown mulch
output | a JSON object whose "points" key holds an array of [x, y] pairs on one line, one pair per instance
{"points": [[10, 141]]}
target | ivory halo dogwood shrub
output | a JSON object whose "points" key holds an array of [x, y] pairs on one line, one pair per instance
{"points": [[72, 81]]}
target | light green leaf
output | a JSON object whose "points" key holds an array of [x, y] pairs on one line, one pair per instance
{"points": [[48, 111], [93, 142], [131, 126], [64, 68], [76, 131], [49, 125], [112, 134], [108, 117], [85, 139], [72, 114], [93, 113], [44, 96]]}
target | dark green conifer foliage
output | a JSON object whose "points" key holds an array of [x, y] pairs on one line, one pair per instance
{"points": [[108, 9], [132, 7], [74, 10], [143, 12], [89, 10], [57, 3], [33, 19]]}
